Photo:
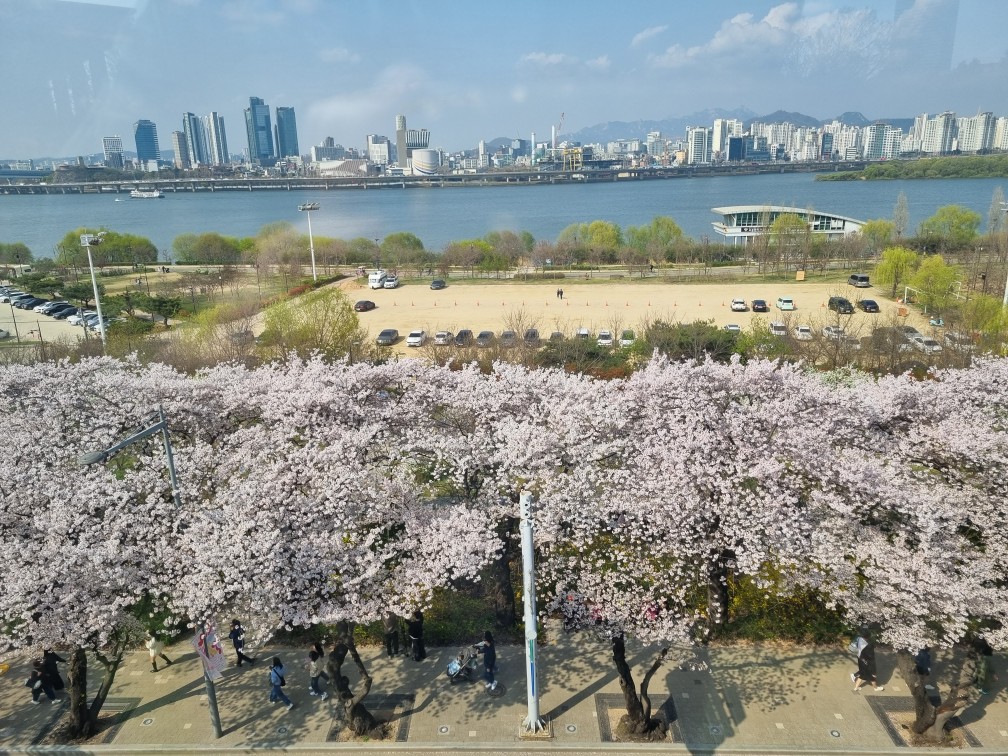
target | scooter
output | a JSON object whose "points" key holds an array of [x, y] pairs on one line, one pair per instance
{"points": [[464, 666]]}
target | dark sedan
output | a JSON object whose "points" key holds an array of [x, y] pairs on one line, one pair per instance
{"points": [[868, 305], [364, 305], [760, 305], [485, 338], [437, 283], [464, 338], [65, 313]]}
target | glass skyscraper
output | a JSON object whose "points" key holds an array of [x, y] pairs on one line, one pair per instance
{"points": [[195, 139], [259, 132], [145, 136], [286, 133]]}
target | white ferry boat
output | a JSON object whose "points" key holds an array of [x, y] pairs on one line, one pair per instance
{"points": [[147, 194]]}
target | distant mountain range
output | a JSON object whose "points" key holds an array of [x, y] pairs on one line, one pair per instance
{"points": [[675, 128]]}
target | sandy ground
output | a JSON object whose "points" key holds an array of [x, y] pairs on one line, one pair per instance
{"points": [[610, 305], [596, 304]]}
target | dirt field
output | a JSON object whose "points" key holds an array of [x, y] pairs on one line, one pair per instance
{"points": [[604, 305]]}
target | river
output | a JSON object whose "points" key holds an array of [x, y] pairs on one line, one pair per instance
{"points": [[439, 216]]}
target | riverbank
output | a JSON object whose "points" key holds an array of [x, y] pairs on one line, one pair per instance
{"points": [[951, 167]]}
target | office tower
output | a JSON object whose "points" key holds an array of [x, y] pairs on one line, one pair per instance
{"points": [[112, 147], [178, 141], [286, 133], [698, 144], [724, 128], [195, 139], [408, 140], [825, 145], [259, 132], [145, 136], [216, 139], [400, 136], [379, 149]]}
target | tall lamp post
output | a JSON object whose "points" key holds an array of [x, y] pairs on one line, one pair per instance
{"points": [[532, 723], [307, 207], [88, 241], [158, 423]]}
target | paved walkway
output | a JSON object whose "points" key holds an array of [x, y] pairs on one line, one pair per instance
{"points": [[752, 699]]}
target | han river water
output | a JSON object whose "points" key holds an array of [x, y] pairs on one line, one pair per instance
{"points": [[439, 216]]}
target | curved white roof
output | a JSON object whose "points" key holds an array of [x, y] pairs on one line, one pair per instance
{"points": [[736, 209]]}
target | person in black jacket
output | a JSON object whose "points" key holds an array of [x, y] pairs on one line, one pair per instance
{"points": [[237, 636], [49, 661], [867, 671], [415, 627], [489, 651]]}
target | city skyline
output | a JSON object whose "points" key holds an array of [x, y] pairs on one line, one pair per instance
{"points": [[347, 74]]}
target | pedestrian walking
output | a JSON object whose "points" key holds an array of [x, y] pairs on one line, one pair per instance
{"points": [[40, 683], [558, 293], [489, 651], [316, 668], [415, 626], [922, 661], [391, 625], [866, 670], [49, 661], [277, 683], [237, 636], [982, 654], [561, 295], [156, 649]]}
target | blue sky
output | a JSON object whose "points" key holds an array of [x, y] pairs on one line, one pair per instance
{"points": [[469, 70]]}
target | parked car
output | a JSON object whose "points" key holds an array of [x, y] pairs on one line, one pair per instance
{"points": [[80, 316], [64, 314], [531, 337], [960, 341], [391, 282], [11, 295], [444, 338], [4, 334], [833, 332], [16, 301], [556, 336], [760, 305], [868, 305], [484, 338], [928, 345], [387, 337], [840, 305], [416, 338], [438, 284], [778, 329], [50, 306], [859, 280], [733, 328], [463, 338], [41, 307], [605, 339], [785, 303], [27, 303], [508, 339], [55, 311], [738, 305], [583, 333], [364, 305], [910, 333], [803, 333], [627, 338]]}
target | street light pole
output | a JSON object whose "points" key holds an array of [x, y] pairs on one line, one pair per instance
{"points": [[533, 723], [158, 423], [308, 207], [87, 240]]}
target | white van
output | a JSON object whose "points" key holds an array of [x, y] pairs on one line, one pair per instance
{"points": [[376, 280]]}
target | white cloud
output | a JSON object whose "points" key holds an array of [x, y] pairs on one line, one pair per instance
{"points": [[519, 94], [545, 59], [339, 55], [601, 63], [643, 36]]}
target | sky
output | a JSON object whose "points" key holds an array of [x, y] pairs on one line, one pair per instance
{"points": [[73, 71]]}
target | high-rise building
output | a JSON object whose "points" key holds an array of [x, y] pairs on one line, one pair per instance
{"points": [[286, 133], [379, 150], [178, 141], [698, 144], [976, 133], [195, 139], [939, 134], [113, 149], [724, 128], [408, 140], [145, 136], [216, 139], [1001, 133], [259, 132]]}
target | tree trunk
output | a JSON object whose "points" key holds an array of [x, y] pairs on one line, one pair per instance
{"points": [[637, 723], [356, 715], [81, 725], [717, 590], [930, 721], [111, 666], [500, 585]]}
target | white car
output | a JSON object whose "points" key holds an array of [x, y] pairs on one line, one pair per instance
{"points": [[778, 329], [444, 338], [803, 333], [785, 303], [738, 305], [733, 328], [583, 333], [928, 345], [833, 332], [416, 338], [4, 334], [605, 339], [627, 338], [391, 282], [80, 317]]}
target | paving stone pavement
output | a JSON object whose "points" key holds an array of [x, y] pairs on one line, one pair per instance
{"points": [[739, 699]]}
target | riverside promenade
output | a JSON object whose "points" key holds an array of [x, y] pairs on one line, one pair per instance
{"points": [[765, 699]]}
